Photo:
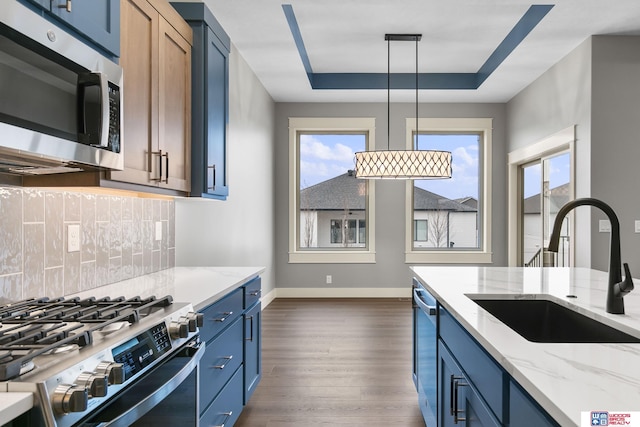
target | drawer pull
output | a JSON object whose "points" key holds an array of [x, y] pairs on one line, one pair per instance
{"points": [[456, 411], [227, 359], [227, 416], [255, 293], [226, 315]]}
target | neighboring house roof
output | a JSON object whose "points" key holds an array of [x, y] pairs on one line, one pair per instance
{"points": [[341, 192], [348, 192], [424, 200], [469, 201], [559, 197]]}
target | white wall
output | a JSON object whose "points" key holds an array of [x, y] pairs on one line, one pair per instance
{"points": [[240, 230]]}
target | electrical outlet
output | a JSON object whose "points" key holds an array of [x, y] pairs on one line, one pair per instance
{"points": [[158, 230], [604, 226], [73, 237], [637, 226], [329, 279]]}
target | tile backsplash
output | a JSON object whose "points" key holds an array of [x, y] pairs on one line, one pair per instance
{"points": [[117, 240]]}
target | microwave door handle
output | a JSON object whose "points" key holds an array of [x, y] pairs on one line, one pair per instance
{"points": [[93, 79], [104, 98]]}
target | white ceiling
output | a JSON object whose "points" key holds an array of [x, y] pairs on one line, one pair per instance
{"points": [[347, 36]]}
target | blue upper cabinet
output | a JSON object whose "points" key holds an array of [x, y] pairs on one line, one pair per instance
{"points": [[98, 22], [210, 102]]}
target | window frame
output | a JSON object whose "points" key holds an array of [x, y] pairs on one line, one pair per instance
{"points": [[482, 255], [307, 125]]}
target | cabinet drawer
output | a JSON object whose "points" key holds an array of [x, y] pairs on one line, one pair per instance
{"points": [[252, 292], [221, 359], [226, 408], [478, 366], [221, 314]]}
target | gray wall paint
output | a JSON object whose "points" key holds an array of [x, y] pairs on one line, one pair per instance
{"points": [[595, 88], [240, 230], [560, 98], [389, 270], [615, 146]]}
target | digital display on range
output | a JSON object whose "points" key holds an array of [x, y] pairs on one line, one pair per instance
{"points": [[142, 350]]}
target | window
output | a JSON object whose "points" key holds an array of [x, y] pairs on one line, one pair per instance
{"points": [[329, 208], [448, 220], [541, 180], [420, 230]]}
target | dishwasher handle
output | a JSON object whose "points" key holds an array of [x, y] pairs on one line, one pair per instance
{"points": [[417, 297]]}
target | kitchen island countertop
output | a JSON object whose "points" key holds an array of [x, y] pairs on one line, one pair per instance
{"points": [[565, 379]]}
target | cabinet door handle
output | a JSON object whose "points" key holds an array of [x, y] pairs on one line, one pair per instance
{"points": [[226, 314], [160, 155], [66, 6], [226, 359], [255, 293], [227, 416], [166, 171], [456, 411], [213, 168], [251, 328]]}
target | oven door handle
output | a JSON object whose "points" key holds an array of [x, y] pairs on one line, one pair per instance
{"points": [[154, 398]]}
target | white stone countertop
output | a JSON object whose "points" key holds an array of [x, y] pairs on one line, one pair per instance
{"points": [[13, 405], [565, 379], [200, 286]]}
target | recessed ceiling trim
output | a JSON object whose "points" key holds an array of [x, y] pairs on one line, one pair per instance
{"points": [[450, 81]]}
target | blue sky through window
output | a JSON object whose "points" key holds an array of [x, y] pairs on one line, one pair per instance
{"points": [[326, 156]]}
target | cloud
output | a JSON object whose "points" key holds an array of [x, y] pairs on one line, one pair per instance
{"points": [[462, 154], [312, 148]]}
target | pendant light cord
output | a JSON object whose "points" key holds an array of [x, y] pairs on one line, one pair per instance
{"points": [[416, 145], [388, 93]]}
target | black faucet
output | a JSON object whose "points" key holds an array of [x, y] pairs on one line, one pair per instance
{"points": [[617, 288]]}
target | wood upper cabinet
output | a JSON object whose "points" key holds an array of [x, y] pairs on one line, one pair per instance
{"points": [[156, 59]]}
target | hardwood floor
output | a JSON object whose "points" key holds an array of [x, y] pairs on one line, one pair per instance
{"points": [[335, 362]]}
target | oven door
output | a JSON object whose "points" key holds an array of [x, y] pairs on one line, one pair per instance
{"points": [[167, 395]]}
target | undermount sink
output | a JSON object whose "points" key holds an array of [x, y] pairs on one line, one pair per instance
{"points": [[542, 320]]}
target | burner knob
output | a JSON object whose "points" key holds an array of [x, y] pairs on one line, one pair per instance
{"points": [[197, 318], [179, 329], [69, 398], [94, 382], [113, 370]]}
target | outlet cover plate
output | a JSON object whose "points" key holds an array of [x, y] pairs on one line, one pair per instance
{"points": [[73, 237]]}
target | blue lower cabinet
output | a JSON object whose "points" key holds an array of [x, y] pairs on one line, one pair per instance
{"points": [[222, 358], [459, 402], [252, 350], [474, 389], [524, 411], [226, 407]]}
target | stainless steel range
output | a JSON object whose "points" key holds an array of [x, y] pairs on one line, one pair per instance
{"points": [[81, 356]]}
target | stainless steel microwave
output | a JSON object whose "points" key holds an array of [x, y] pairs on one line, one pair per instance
{"points": [[60, 100]]}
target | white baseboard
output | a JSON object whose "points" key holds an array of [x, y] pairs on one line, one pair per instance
{"points": [[266, 299], [343, 292]]}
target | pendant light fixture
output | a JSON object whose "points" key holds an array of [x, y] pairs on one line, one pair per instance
{"points": [[402, 164]]}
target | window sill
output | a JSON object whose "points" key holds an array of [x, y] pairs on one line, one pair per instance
{"points": [[448, 257], [332, 257]]}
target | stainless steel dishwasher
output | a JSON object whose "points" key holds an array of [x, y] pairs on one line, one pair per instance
{"points": [[424, 351]]}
